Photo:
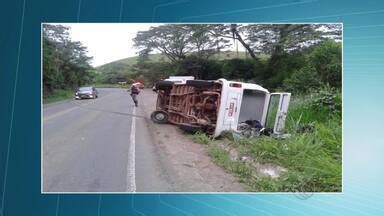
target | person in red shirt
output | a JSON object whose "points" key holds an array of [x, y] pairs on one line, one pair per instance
{"points": [[134, 92]]}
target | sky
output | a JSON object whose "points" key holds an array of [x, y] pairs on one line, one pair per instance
{"points": [[107, 42]]}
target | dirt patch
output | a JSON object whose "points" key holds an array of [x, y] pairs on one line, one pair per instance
{"points": [[188, 164], [259, 169]]}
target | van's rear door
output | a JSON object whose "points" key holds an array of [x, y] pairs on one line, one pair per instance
{"points": [[277, 111]]}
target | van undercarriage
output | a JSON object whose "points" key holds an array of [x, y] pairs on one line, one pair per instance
{"points": [[195, 105]]}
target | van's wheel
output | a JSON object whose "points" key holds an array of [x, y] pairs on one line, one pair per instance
{"points": [[164, 85], [189, 128], [159, 117], [199, 83]]}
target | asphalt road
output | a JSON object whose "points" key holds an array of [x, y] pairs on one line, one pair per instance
{"points": [[100, 145]]}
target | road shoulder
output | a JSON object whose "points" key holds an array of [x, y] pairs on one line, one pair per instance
{"points": [[187, 163]]}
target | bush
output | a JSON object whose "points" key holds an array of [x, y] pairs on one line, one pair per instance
{"points": [[200, 68], [326, 60], [321, 105], [302, 81], [58, 95], [328, 99], [280, 67], [322, 66], [242, 69]]}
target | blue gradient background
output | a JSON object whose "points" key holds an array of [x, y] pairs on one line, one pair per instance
{"points": [[20, 107]]}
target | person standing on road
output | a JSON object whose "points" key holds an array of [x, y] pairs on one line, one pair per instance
{"points": [[134, 92]]}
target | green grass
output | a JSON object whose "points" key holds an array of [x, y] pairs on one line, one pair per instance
{"points": [[202, 138], [58, 95], [312, 158]]}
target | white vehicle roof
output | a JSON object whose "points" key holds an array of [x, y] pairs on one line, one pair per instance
{"points": [[181, 77], [176, 80], [250, 86]]}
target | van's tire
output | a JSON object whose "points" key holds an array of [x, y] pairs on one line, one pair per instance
{"points": [[189, 128], [164, 85], [159, 117], [200, 83]]}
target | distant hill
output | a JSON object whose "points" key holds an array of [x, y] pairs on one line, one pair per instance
{"points": [[124, 65], [123, 70]]}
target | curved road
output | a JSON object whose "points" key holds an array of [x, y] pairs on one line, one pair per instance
{"points": [[100, 145]]}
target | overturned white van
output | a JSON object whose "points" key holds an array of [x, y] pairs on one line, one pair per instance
{"points": [[220, 105]]}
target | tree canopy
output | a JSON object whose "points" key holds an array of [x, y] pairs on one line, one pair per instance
{"points": [[278, 38], [176, 41]]}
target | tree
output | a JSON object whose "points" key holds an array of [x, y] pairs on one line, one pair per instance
{"points": [[65, 62], [204, 44], [237, 36], [170, 40]]}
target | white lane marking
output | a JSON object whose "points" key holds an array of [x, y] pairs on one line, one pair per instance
{"points": [[131, 182]]}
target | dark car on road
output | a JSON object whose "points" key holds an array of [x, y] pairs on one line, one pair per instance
{"points": [[86, 92]]}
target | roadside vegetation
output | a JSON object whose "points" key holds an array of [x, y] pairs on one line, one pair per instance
{"points": [[58, 95]]}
